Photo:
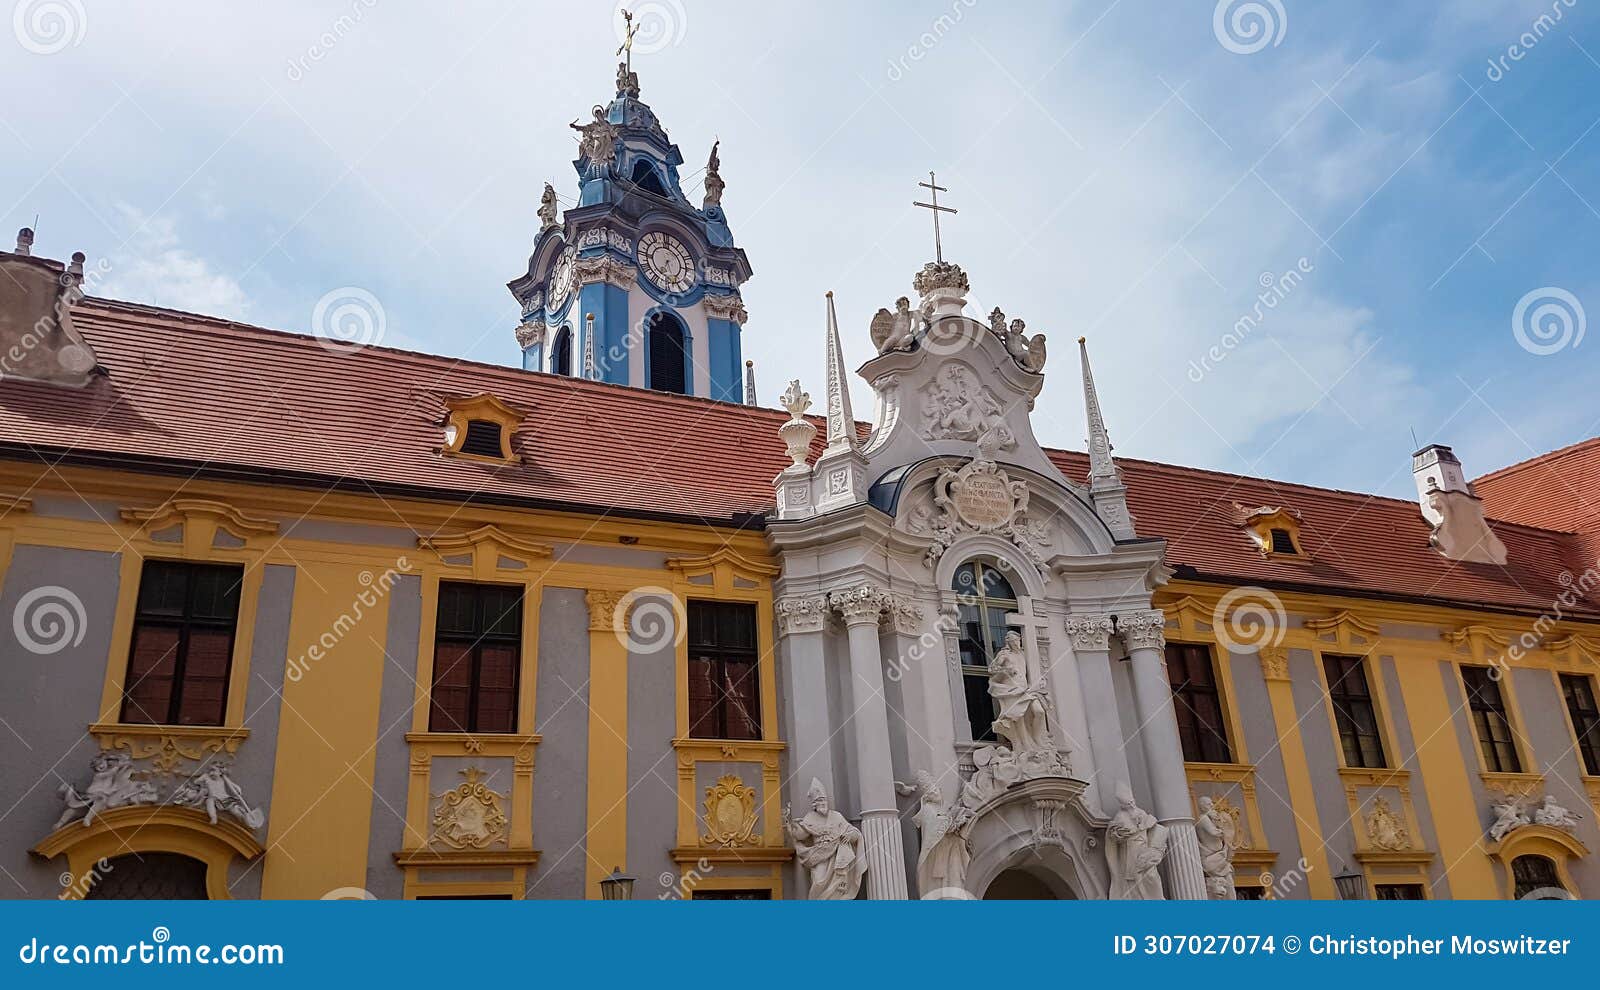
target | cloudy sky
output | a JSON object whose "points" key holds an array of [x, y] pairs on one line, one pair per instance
{"points": [[1130, 170]]}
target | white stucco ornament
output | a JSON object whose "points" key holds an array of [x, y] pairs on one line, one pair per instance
{"points": [[1135, 846], [957, 406], [1218, 837], [898, 330], [943, 859], [829, 848], [1509, 816], [1554, 815], [214, 790], [113, 783], [797, 432]]}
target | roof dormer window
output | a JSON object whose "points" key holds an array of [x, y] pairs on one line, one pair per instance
{"points": [[480, 428], [1276, 532]]}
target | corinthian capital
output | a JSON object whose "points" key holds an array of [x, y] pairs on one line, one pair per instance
{"points": [[801, 614], [862, 603], [1143, 629], [602, 608], [1090, 632]]}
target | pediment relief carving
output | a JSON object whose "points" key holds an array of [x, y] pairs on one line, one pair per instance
{"points": [[957, 406]]}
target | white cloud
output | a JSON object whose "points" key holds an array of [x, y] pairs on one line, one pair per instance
{"points": [[153, 267]]}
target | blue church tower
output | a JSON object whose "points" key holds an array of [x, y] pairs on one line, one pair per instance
{"points": [[635, 285]]}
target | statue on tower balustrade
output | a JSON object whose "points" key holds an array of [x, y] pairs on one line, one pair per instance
{"points": [[714, 183], [597, 140]]}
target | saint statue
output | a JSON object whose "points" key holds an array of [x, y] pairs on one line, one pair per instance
{"points": [[942, 861], [547, 207], [1024, 707], [714, 183], [828, 847], [597, 140], [1218, 838], [1135, 846]]}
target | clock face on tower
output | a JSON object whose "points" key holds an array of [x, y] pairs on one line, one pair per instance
{"points": [[666, 262], [561, 280]]}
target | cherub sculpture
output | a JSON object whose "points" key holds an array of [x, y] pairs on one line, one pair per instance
{"points": [[113, 784], [896, 331], [213, 790]]}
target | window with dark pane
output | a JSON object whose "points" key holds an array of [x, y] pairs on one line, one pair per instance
{"points": [[1399, 892], [1283, 541], [482, 439], [724, 671], [1490, 721], [561, 352], [1531, 873], [1354, 712], [182, 651], [1197, 703], [1578, 690], [984, 599], [477, 658], [667, 341]]}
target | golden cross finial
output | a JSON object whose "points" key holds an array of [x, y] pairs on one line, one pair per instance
{"points": [[935, 189], [626, 48]]}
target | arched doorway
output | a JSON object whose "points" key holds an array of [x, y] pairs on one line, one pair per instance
{"points": [[149, 876], [667, 344], [1017, 884]]}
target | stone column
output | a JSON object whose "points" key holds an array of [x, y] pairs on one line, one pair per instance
{"points": [[802, 620], [861, 608], [1144, 634], [1091, 645]]}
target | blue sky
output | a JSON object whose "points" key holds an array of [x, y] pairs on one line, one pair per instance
{"points": [[1126, 170]]}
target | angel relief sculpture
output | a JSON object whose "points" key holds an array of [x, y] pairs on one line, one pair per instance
{"points": [[1029, 352], [956, 406]]}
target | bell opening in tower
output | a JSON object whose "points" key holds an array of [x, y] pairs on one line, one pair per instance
{"points": [[668, 353], [561, 353]]}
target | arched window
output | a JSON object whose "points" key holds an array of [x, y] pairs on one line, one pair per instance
{"points": [[161, 876], [985, 598], [667, 341], [561, 352], [647, 178], [1536, 873]]}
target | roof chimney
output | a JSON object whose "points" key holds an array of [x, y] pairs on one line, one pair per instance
{"points": [[1452, 508]]}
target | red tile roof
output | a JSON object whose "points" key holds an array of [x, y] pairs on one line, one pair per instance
{"points": [[188, 393], [1559, 490]]}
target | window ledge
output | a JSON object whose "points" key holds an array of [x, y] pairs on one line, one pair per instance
{"points": [[1520, 784], [1230, 772], [226, 733], [1375, 776], [473, 744]]}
